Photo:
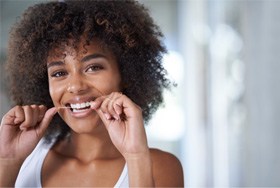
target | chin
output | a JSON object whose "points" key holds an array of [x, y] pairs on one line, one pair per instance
{"points": [[86, 126]]}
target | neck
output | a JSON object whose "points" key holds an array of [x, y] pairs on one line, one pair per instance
{"points": [[89, 147]]}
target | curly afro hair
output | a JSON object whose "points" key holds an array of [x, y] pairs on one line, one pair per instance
{"points": [[125, 27]]}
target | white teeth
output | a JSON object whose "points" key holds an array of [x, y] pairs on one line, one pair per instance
{"points": [[80, 105]]}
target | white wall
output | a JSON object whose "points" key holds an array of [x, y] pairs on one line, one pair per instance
{"points": [[261, 156]]}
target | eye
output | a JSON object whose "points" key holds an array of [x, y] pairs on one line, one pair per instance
{"points": [[94, 68], [58, 74]]}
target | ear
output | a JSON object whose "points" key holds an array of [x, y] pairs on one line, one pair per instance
{"points": [[125, 86]]}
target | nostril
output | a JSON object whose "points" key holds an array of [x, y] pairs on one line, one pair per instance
{"points": [[76, 85]]}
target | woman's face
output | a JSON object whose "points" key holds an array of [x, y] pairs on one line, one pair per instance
{"points": [[76, 78]]}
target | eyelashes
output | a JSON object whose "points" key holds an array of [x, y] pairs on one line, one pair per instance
{"points": [[93, 68], [59, 74]]}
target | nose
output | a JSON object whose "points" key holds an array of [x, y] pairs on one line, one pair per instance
{"points": [[77, 84]]}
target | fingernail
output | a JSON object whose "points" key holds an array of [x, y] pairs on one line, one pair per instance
{"points": [[107, 116], [17, 121], [53, 110], [23, 128], [93, 105], [116, 117], [119, 112]]}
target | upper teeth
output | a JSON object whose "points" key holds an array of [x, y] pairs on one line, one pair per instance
{"points": [[80, 105]]}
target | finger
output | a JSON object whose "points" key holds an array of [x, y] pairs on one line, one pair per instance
{"points": [[19, 115], [46, 121], [104, 117], [13, 117], [105, 104], [104, 107], [42, 110], [113, 97], [115, 107], [97, 103], [126, 108], [35, 114], [111, 110], [118, 108], [28, 114]]}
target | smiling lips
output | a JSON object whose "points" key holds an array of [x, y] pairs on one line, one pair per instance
{"points": [[79, 107]]}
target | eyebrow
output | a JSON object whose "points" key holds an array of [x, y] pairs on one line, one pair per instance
{"points": [[84, 59], [55, 63], [92, 56]]}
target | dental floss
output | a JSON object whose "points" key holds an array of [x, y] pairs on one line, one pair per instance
{"points": [[62, 107], [65, 107], [121, 116]]}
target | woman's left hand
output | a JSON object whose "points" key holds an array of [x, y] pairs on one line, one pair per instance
{"points": [[124, 122]]}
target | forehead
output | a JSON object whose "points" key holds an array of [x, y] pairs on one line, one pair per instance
{"points": [[78, 50]]}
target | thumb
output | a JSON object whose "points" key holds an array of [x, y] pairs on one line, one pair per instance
{"points": [[46, 121], [95, 105], [105, 119]]}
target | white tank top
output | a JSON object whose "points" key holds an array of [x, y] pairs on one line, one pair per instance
{"points": [[30, 171]]}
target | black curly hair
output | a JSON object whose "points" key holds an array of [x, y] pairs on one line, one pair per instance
{"points": [[125, 27]]}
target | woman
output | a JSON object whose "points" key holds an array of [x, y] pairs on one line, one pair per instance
{"points": [[85, 76]]}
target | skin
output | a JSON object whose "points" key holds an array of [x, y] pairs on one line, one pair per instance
{"points": [[103, 137]]}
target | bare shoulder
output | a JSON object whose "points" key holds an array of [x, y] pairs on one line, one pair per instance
{"points": [[167, 169]]}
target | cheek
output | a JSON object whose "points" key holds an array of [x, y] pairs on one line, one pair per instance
{"points": [[116, 78], [114, 81], [55, 92]]}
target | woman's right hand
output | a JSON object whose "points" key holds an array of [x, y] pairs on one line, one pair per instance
{"points": [[21, 130]]}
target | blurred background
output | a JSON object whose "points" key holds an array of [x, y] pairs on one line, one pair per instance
{"points": [[222, 120]]}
